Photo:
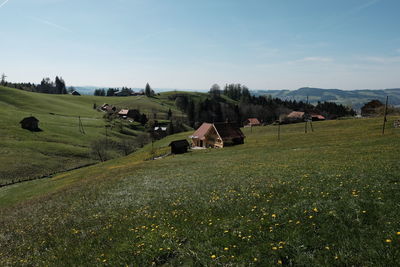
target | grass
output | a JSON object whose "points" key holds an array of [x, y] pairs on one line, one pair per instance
{"points": [[60, 146], [324, 198]]}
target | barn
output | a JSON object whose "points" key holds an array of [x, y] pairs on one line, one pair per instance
{"points": [[217, 135], [30, 123], [179, 146], [250, 122], [317, 117], [296, 116]]}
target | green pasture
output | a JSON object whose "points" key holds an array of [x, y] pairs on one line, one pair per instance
{"points": [[325, 198]]}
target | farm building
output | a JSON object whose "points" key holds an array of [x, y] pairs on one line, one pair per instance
{"points": [[108, 108], [250, 122], [317, 117], [75, 93], [217, 135], [129, 113], [296, 115], [179, 146], [123, 112], [30, 123]]}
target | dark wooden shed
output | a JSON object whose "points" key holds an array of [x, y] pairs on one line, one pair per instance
{"points": [[75, 93], [30, 123], [179, 146]]}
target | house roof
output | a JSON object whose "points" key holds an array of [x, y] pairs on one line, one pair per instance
{"points": [[123, 112], [179, 143], [253, 121], [228, 130], [318, 116], [295, 114], [224, 130], [28, 119], [202, 131]]}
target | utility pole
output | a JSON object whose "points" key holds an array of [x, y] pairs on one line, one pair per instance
{"points": [[80, 125], [307, 118], [106, 137], [384, 118], [279, 129]]}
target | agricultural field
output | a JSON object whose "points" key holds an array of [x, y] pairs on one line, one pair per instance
{"points": [[61, 146], [325, 198]]}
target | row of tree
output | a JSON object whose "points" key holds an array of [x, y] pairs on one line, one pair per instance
{"points": [[124, 91], [46, 86]]}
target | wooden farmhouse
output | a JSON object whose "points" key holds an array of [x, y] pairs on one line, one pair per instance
{"points": [[217, 135], [108, 108], [250, 122]]}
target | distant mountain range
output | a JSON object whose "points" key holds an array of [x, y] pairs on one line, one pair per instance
{"points": [[354, 98]]}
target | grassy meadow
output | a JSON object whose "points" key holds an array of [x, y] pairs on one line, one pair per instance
{"points": [[60, 146], [326, 198]]}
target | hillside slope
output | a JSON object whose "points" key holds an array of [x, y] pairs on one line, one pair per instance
{"points": [[60, 146], [325, 198]]}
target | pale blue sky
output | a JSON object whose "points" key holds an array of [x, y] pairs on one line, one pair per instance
{"points": [[191, 44]]}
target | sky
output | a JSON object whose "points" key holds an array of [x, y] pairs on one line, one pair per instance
{"points": [[191, 44]]}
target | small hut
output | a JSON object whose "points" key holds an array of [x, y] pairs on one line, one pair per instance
{"points": [[30, 123], [179, 146], [75, 93]]}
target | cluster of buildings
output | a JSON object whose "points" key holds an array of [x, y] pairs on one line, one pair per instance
{"points": [[299, 116]]}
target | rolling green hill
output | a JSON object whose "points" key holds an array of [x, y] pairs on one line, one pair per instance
{"points": [[60, 146], [326, 198]]}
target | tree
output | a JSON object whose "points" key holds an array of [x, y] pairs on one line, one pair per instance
{"points": [[99, 149], [46, 86], [99, 92], [148, 91], [371, 108], [170, 129], [143, 119], [169, 114], [127, 146], [3, 79], [111, 91], [60, 86], [190, 111], [215, 91], [181, 102]]}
